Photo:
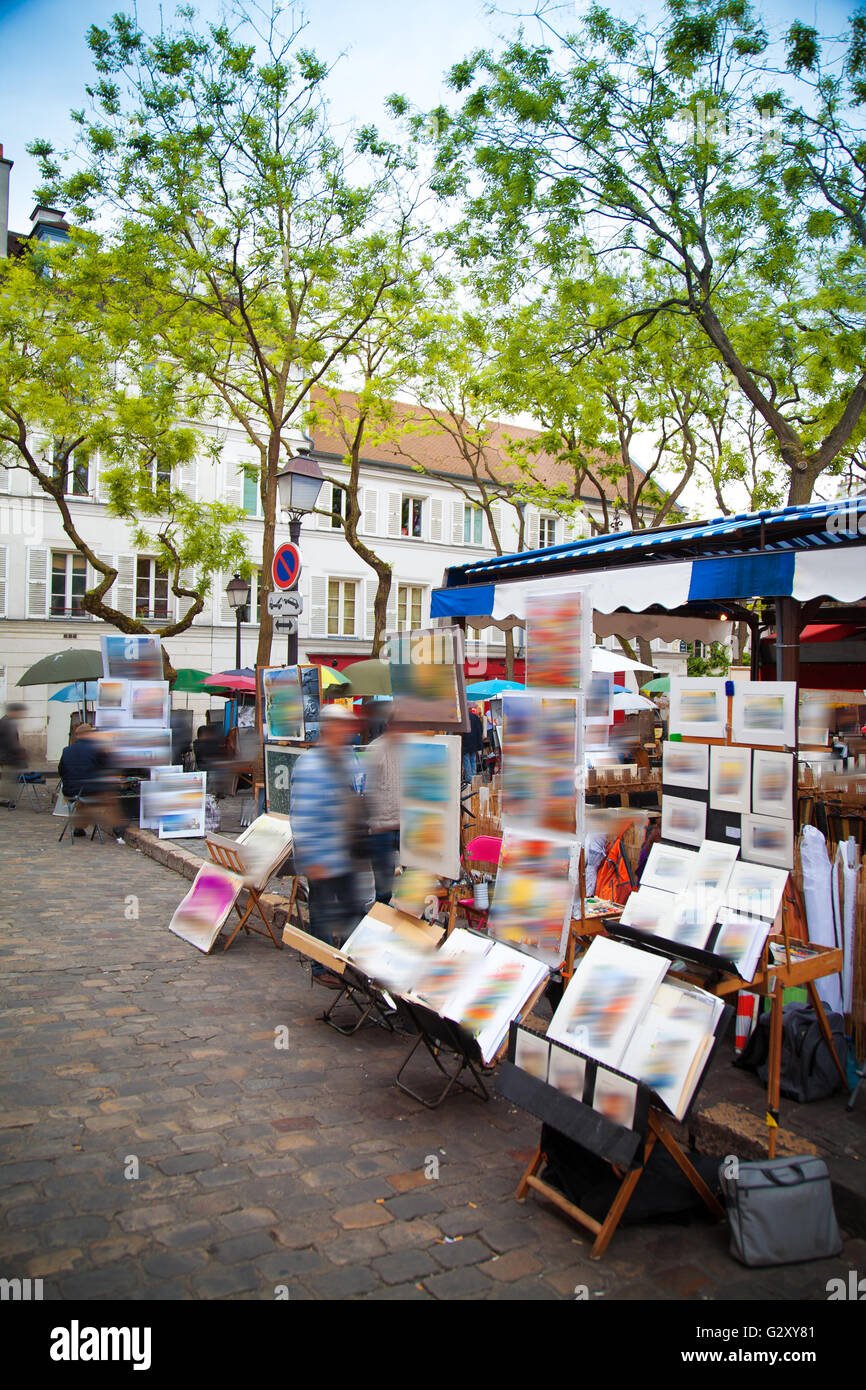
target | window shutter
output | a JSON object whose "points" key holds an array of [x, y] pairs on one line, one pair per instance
{"points": [[318, 605], [3, 572], [394, 503], [370, 587], [187, 579], [532, 531], [4, 479], [391, 610], [232, 484], [226, 612], [436, 518], [186, 480], [370, 511], [37, 581], [124, 585], [100, 467], [498, 512], [457, 523]]}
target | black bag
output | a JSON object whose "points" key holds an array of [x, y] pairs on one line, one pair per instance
{"points": [[808, 1071]]}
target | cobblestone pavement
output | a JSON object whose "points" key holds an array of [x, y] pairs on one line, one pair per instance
{"points": [[156, 1143]]}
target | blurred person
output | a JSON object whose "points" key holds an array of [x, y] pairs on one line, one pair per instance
{"points": [[85, 770], [326, 821], [382, 799], [13, 758], [471, 744]]}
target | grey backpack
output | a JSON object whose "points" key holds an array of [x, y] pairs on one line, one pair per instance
{"points": [[808, 1071]]}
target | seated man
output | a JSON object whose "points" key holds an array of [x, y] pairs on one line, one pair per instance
{"points": [[84, 771]]}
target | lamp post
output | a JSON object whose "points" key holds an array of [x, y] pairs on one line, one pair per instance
{"points": [[298, 488], [238, 595]]}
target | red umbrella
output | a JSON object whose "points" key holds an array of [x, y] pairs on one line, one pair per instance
{"points": [[225, 680]]}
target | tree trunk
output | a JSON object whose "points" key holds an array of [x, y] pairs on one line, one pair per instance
{"points": [[509, 655]]}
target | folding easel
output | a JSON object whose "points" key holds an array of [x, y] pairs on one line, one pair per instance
{"points": [[228, 855], [440, 1036], [360, 991]]}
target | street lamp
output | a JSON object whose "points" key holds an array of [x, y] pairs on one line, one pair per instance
{"points": [[238, 595], [298, 488]]}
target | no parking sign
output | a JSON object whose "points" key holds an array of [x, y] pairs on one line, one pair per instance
{"points": [[287, 566]]}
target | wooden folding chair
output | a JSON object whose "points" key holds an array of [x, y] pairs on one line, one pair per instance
{"points": [[229, 855]]}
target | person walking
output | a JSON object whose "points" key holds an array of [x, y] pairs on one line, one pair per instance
{"points": [[326, 819], [382, 797], [13, 758], [471, 744]]}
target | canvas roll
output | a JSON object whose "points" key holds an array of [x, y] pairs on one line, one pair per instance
{"points": [[846, 868], [817, 896]]}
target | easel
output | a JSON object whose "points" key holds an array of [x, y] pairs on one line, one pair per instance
{"points": [[439, 1035], [627, 1151], [357, 988], [225, 853]]}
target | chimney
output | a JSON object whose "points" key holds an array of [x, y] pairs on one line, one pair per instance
{"points": [[5, 167]]}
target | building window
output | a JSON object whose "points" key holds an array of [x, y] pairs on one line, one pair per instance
{"points": [[339, 506], [68, 584], [252, 495], [546, 531], [341, 608], [410, 517], [473, 518], [160, 475], [73, 472], [253, 611], [408, 607], [151, 588]]}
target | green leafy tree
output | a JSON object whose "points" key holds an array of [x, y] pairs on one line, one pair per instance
{"points": [[257, 247], [705, 153], [76, 381]]}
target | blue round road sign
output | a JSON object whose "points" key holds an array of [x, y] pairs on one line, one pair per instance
{"points": [[286, 566]]}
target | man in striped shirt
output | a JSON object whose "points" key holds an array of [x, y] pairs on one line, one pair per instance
{"points": [[326, 818]]}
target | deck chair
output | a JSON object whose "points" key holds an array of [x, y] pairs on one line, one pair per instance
{"points": [[480, 858]]}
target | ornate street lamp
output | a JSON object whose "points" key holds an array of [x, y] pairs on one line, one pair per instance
{"points": [[238, 595]]}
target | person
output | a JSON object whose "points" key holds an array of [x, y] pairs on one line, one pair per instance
{"points": [[84, 770], [12, 756], [326, 820], [382, 797], [471, 744]]}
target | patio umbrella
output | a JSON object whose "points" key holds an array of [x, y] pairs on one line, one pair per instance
{"points": [[72, 664], [368, 678], [629, 703], [488, 690], [330, 677], [190, 681], [235, 681], [660, 686], [76, 694], [603, 660]]}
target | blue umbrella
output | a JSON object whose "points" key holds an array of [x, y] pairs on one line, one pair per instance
{"points": [[76, 693], [488, 690]]}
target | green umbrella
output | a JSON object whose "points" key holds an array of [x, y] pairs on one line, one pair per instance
{"points": [[366, 678], [189, 679], [73, 664], [660, 686]]}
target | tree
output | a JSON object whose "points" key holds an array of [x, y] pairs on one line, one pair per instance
{"points": [[76, 380], [211, 151], [700, 163]]}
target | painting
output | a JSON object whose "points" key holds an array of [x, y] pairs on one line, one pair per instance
{"points": [[559, 641], [730, 779], [199, 918], [685, 765], [605, 999], [282, 704], [768, 840], [772, 783], [698, 706], [131, 658], [149, 704], [430, 803], [765, 712], [683, 821], [532, 898], [427, 680]]}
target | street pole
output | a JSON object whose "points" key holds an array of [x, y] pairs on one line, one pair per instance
{"points": [[292, 639], [238, 612]]}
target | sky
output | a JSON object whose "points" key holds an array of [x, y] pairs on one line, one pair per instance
{"points": [[378, 46]]}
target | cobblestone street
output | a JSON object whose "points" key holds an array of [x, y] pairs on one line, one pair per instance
{"points": [[157, 1143]]}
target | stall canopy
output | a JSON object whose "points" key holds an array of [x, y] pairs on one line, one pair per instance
{"points": [[685, 580]]}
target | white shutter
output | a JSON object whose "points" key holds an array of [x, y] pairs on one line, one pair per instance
{"points": [[326, 503], [391, 610], [369, 511], [318, 606], [457, 523], [370, 587], [532, 531], [394, 505], [436, 518], [498, 513], [100, 466], [4, 478], [186, 480], [187, 579], [124, 585], [3, 572], [226, 612], [232, 484], [37, 581]]}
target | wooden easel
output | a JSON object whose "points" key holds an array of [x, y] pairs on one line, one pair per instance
{"points": [[603, 1230], [224, 853]]}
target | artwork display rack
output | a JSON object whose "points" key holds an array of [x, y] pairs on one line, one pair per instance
{"points": [[626, 1151], [771, 980], [358, 990], [440, 1037]]}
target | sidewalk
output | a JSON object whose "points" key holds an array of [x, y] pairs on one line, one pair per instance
{"points": [[160, 1142]]}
